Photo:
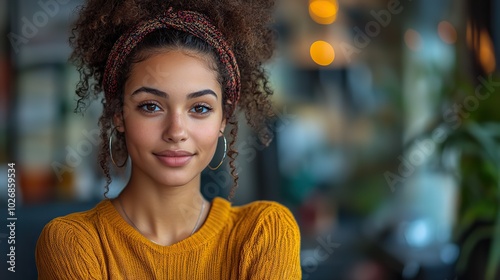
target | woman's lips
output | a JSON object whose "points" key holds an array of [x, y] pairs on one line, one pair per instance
{"points": [[174, 158]]}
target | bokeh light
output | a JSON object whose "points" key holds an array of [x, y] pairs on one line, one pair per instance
{"points": [[447, 32], [323, 11], [486, 52], [322, 53]]}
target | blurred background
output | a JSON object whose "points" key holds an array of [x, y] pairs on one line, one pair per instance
{"points": [[386, 143]]}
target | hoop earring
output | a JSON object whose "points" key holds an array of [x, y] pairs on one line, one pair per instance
{"points": [[223, 157], [111, 149]]}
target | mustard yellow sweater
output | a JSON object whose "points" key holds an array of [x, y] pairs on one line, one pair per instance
{"points": [[260, 240]]}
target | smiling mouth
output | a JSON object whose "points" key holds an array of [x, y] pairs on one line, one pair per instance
{"points": [[174, 158]]}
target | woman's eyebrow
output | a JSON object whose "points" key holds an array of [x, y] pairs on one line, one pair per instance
{"points": [[201, 93], [163, 94], [150, 90]]}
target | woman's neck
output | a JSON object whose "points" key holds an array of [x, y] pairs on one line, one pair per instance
{"points": [[163, 214]]}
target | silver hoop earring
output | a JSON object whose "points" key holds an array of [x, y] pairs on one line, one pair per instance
{"points": [[223, 156], [111, 149]]}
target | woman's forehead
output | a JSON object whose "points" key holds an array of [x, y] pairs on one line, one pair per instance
{"points": [[174, 71]]}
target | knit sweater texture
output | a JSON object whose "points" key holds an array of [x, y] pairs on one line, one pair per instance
{"points": [[260, 240]]}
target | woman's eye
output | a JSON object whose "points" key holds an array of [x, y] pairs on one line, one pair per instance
{"points": [[150, 107], [201, 109]]}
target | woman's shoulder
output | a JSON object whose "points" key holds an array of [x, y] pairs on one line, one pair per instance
{"points": [[263, 212], [268, 240], [260, 207], [66, 247]]}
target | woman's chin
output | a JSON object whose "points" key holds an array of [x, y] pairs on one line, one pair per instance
{"points": [[175, 180]]}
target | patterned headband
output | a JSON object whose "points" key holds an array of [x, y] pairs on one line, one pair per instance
{"points": [[191, 22]]}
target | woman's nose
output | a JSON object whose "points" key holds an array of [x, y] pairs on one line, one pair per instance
{"points": [[175, 128]]}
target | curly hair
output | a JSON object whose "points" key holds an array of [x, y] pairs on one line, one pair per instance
{"points": [[244, 24]]}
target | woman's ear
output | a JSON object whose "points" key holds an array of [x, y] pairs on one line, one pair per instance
{"points": [[118, 122]]}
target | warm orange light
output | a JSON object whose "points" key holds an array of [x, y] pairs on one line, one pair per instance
{"points": [[413, 40], [322, 53], [447, 32], [323, 11], [486, 52], [323, 8]]}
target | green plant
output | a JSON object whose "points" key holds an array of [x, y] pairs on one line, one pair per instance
{"points": [[478, 145]]}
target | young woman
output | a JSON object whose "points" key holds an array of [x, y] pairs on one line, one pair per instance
{"points": [[172, 75]]}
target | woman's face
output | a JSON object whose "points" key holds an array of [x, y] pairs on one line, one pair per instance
{"points": [[172, 116]]}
